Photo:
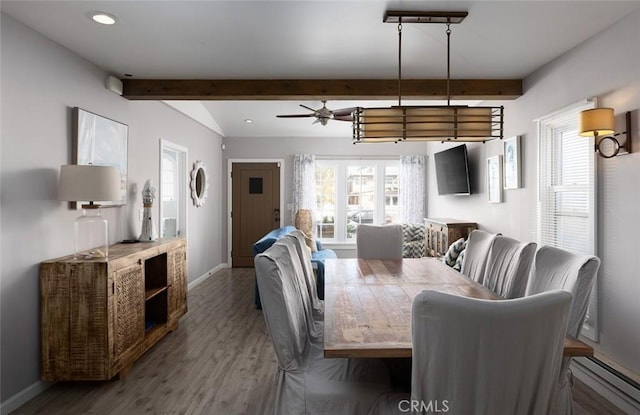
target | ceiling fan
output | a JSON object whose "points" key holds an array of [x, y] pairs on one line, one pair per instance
{"points": [[324, 114]]}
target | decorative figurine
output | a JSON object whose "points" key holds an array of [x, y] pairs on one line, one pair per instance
{"points": [[148, 233]]}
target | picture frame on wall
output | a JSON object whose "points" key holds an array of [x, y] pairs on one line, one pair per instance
{"points": [[101, 141], [511, 166], [494, 179]]}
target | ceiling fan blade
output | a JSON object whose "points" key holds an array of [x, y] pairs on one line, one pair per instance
{"points": [[343, 111], [309, 108], [348, 118], [295, 115]]}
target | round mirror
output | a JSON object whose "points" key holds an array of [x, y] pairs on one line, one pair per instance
{"points": [[199, 183]]}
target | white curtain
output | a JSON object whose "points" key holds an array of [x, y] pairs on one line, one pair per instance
{"points": [[411, 192], [304, 183]]}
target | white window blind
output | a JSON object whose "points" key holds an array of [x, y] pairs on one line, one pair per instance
{"points": [[566, 212]]}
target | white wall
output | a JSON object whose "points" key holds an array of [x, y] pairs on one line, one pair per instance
{"points": [[606, 66], [41, 82]]}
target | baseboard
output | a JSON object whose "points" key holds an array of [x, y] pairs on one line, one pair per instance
{"points": [[615, 389], [24, 396], [38, 387], [207, 274]]}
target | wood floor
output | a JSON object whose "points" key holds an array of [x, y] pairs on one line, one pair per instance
{"points": [[219, 361]]}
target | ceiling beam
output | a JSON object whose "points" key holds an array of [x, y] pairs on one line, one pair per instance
{"points": [[318, 89]]}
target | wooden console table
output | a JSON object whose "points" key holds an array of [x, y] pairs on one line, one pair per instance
{"points": [[442, 232], [98, 317]]}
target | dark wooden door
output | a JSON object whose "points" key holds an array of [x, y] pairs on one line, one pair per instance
{"points": [[255, 207]]}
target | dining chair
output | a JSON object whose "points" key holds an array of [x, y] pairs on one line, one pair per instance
{"points": [[379, 241], [558, 269], [475, 255], [508, 265], [291, 263], [473, 356], [304, 255], [306, 382]]}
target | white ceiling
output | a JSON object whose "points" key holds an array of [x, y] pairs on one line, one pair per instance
{"points": [[264, 39]]}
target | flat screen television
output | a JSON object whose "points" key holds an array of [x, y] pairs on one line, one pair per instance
{"points": [[452, 171]]}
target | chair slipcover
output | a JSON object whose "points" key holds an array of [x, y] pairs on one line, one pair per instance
{"points": [[508, 266], [475, 255], [557, 269], [487, 357], [289, 261], [379, 241], [305, 258], [307, 383], [262, 245]]}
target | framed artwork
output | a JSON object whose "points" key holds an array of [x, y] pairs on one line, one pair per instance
{"points": [[512, 162], [494, 179], [101, 141]]}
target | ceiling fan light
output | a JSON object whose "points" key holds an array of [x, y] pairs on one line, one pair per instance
{"points": [[324, 114]]}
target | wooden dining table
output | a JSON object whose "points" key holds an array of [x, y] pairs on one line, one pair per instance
{"points": [[368, 304]]}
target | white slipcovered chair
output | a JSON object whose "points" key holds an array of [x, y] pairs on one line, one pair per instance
{"points": [[480, 357], [379, 241], [290, 261], [508, 266], [310, 279], [475, 255], [307, 383], [557, 269]]}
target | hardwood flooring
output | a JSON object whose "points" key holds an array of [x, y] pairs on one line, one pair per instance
{"points": [[219, 361]]}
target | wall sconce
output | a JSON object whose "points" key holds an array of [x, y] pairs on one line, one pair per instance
{"points": [[600, 124]]}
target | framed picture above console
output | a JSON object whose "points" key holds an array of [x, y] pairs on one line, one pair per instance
{"points": [[100, 141]]}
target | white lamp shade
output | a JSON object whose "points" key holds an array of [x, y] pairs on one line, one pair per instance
{"points": [[89, 183], [597, 121]]}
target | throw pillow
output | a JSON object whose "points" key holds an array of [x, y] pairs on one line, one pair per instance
{"points": [[454, 252], [458, 264], [413, 249], [413, 245], [304, 222]]}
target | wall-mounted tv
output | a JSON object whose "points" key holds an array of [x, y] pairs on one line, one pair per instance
{"points": [[452, 171]]}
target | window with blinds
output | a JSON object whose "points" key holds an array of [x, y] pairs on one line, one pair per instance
{"points": [[566, 214]]}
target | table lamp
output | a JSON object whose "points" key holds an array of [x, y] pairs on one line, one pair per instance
{"points": [[82, 183]]}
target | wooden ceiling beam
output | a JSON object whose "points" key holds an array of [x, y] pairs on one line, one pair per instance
{"points": [[318, 89]]}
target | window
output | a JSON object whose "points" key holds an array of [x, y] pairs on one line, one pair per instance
{"points": [[351, 192], [566, 214]]}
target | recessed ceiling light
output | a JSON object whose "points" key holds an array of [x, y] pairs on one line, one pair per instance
{"points": [[248, 120], [103, 18]]}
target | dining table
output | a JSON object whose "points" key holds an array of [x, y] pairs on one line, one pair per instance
{"points": [[368, 302]]}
